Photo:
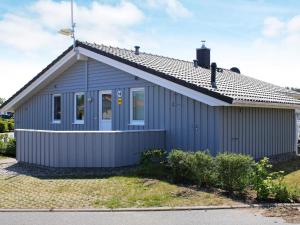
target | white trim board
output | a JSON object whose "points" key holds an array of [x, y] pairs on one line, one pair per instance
{"points": [[154, 79]]}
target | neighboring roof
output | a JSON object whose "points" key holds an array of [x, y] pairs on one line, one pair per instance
{"points": [[231, 87]]}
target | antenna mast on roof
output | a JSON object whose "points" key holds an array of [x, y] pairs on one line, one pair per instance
{"points": [[70, 32], [72, 24]]}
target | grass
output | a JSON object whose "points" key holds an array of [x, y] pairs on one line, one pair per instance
{"points": [[112, 192], [292, 171], [134, 187]]}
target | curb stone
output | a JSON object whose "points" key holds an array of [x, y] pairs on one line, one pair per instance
{"points": [[156, 209]]}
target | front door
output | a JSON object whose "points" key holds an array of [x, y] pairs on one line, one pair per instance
{"points": [[105, 103]]}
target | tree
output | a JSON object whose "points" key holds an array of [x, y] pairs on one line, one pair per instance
{"points": [[296, 89], [2, 100]]}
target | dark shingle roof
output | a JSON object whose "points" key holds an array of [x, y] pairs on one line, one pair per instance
{"points": [[229, 84]]}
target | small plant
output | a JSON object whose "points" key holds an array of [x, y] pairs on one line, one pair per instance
{"points": [[263, 179], [153, 156], [10, 126], [204, 168], [181, 165], [3, 126], [281, 192], [11, 148], [270, 184], [234, 171]]}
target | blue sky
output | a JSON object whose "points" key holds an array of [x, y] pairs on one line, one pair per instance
{"points": [[261, 37]]}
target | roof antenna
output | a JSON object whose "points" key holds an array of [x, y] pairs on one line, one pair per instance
{"points": [[70, 31]]}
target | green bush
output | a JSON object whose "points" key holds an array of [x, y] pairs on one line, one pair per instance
{"points": [[153, 156], [204, 169], [10, 126], [3, 126], [181, 165], [234, 171], [263, 179], [11, 148], [7, 146], [281, 192], [270, 184]]}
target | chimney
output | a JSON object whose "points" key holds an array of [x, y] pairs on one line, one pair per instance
{"points": [[203, 56], [137, 50], [213, 74]]}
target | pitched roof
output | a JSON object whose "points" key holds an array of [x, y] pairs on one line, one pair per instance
{"points": [[230, 85]]}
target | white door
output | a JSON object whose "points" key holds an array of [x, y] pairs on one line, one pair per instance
{"points": [[105, 104]]}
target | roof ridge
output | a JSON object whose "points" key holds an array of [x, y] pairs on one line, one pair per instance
{"points": [[126, 49]]}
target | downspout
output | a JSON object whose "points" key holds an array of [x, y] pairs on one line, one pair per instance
{"points": [[296, 132], [86, 76]]}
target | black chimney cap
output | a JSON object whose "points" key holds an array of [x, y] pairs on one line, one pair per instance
{"points": [[203, 56], [235, 69], [137, 50]]}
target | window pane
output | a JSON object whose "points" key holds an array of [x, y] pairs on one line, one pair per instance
{"points": [[57, 108], [79, 107], [138, 105], [106, 106]]}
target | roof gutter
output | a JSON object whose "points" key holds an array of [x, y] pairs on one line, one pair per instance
{"points": [[240, 103]]}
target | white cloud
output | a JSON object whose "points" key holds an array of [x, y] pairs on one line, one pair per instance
{"points": [[294, 24], [274, 56], [31, 34], [273, 27], [174, 8]]}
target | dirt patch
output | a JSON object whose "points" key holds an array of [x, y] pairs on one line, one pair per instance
{"points": [[288, 213], [148, 182], [184, 192]]}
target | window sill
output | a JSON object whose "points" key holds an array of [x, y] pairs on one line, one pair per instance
{"points": [[56, 122], [136, 124], [78, 123]]}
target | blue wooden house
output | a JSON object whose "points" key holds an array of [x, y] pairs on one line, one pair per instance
{"points": [[101, 106]]}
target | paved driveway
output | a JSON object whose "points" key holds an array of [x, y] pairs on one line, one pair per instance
{"points": [[212, 217]]}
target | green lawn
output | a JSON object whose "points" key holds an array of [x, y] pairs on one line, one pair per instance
{"points": [[292, 171], [112, 192], [126, 188]]}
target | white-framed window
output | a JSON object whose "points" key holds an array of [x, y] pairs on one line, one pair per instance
{"points": [[56, 108], [137, 106], [79, 105]]}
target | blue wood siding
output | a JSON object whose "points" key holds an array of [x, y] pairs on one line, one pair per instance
{"points": [[189, 124], [86, 148], [257, 131]]}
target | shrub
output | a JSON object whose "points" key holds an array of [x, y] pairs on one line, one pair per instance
{"points": [[263, 179], [153, 156], [270, 184], [3, 126], [11, 148], [10, 126], [181, 164], [234, 171], [281, 192], [204, 168]]}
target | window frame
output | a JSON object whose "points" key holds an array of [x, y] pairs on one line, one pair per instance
{"points": [[76, 121], [132, 121], [53, 119]]}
